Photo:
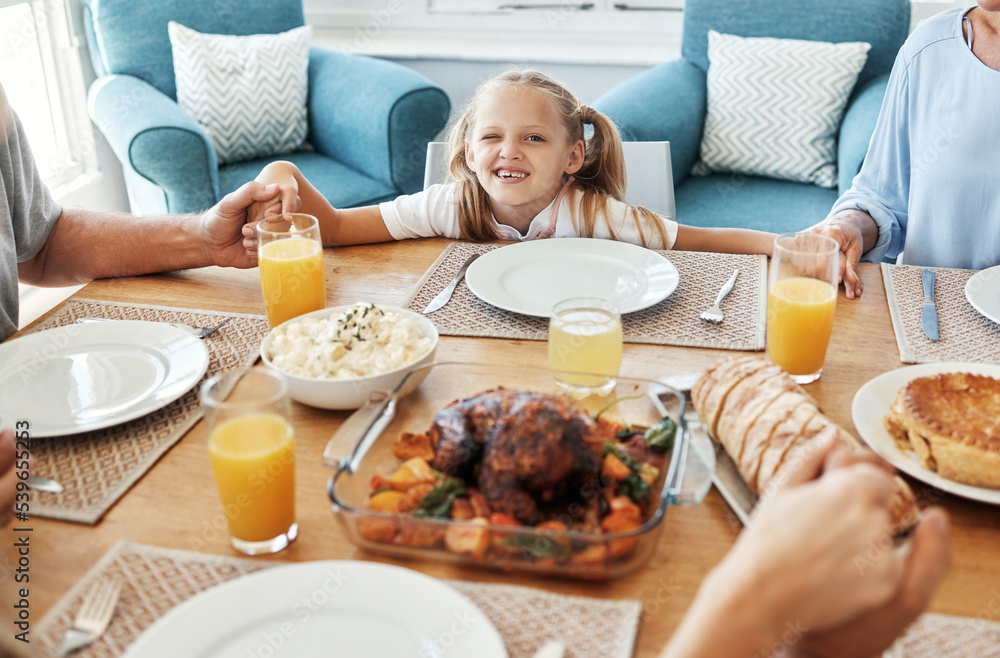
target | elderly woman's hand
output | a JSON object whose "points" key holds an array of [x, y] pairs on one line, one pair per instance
{"points": [[856, 232]]}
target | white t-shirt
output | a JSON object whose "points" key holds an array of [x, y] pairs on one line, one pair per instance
{"points": [[434, 212]]}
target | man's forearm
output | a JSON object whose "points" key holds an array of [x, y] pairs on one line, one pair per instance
{"points": [[86, 245]]}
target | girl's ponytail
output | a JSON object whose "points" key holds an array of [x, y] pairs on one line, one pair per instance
{"points": [[603, 176], [603, 168]]}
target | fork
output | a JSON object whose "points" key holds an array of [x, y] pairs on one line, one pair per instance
{"points": [[95, 614], [199, 332], [714, 314]]}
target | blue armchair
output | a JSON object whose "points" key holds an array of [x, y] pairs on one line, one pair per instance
{"points": [[369, 120], [668, 102]]}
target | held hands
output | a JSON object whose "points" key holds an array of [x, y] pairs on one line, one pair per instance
{"points": [[926, 558], [856, 232], [223, 226], [281, 176], [816, 572]]}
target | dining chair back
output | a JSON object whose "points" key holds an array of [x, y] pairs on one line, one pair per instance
{"points": [[647, 165]]}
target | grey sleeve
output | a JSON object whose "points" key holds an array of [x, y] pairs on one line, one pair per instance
{"points": [[28, 204]]}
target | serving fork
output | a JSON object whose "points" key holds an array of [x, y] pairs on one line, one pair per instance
{"points": [[714, 314], [95, 614]]}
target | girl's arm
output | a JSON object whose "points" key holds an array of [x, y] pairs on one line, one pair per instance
{"points": [[337, 226], [724, 240]]}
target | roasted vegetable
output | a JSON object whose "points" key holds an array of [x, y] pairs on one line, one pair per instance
{"points": [[660, 437], [438, 501]]}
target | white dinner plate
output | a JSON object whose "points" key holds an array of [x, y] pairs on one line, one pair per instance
{"points": [[84, 377], [530, 277], [871, 404], [329, 608], [983, 292]]}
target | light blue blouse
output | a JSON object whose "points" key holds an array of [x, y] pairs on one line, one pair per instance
{"points": [[931, 179]]}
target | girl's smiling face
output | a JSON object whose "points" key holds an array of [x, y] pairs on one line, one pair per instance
{"points": [[520, 151]]}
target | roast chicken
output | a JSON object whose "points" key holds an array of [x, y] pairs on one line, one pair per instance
{"points": [[524, 448]]}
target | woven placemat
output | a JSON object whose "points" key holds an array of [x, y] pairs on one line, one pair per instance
{"points": [[674, 321], [157, 579], [97, 468], [964, 334], [942, 636]]}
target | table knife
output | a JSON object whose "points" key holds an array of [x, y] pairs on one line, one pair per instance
{"points": [[928, 317], [442, 297]]}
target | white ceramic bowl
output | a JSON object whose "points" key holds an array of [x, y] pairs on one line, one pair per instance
{"points": [[349, 393]]}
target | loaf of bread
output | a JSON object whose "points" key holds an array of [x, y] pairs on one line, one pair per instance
{"points": [[952, 422], [767, 423]]}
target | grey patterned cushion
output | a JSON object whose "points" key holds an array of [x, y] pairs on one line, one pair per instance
{"points": [[775, 106], [248, 93]]}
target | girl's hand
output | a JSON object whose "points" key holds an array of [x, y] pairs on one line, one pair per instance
{"points": [[281, 175]]}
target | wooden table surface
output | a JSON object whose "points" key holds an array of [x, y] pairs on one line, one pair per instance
{"points": [[173, 503]]}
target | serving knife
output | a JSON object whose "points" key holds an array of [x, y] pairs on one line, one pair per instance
{"points": [[928, 317], [444, 296], [726, 478]]}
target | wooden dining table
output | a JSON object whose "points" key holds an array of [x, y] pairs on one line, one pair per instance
{"points": [[169, 504]]}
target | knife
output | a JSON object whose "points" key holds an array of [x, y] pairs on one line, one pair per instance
{"points": [[928, 317], [442, 297]]}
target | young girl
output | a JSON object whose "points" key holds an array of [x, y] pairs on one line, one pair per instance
{"points": [[522, 170]]}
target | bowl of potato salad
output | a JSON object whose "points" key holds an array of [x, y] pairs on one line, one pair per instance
{"points": [[335, 357]]}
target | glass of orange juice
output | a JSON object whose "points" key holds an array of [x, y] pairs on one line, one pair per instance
{"points": [[801, 297], [251, 445], [290, 257], [585, 336]]}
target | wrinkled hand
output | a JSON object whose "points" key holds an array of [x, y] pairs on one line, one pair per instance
{"points": [[850, 229], [223, 224], [8, 476]]}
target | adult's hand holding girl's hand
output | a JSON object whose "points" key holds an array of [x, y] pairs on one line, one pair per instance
{"points": [[224, 225], [856, 232]]}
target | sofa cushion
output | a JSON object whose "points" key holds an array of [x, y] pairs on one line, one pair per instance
{"points": [[775, 105], [247, 92], [737, 201]]}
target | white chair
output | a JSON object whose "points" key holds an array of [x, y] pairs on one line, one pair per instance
{"points": [[647, 165]]}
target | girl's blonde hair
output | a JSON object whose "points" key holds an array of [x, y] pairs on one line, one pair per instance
{"points": [[601, 176]]}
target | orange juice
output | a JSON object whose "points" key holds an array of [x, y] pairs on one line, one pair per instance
{"points": [[586, 340], [291, 276], [799, 321], [253, 458]]}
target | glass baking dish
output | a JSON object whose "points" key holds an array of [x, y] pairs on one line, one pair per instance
{"points": [[362, 449]]}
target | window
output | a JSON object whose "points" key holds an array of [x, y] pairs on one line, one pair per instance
{"points": [[41, 74]]}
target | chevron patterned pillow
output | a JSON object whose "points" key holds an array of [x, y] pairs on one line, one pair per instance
{"points": [[247, 92], [775, 106]]}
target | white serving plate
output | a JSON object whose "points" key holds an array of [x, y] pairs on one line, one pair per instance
{"points": [[871, 404]]}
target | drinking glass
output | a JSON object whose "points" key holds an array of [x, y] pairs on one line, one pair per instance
{"points": [[801, 297], [290, 257], [251, 444], [585, 336]]}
